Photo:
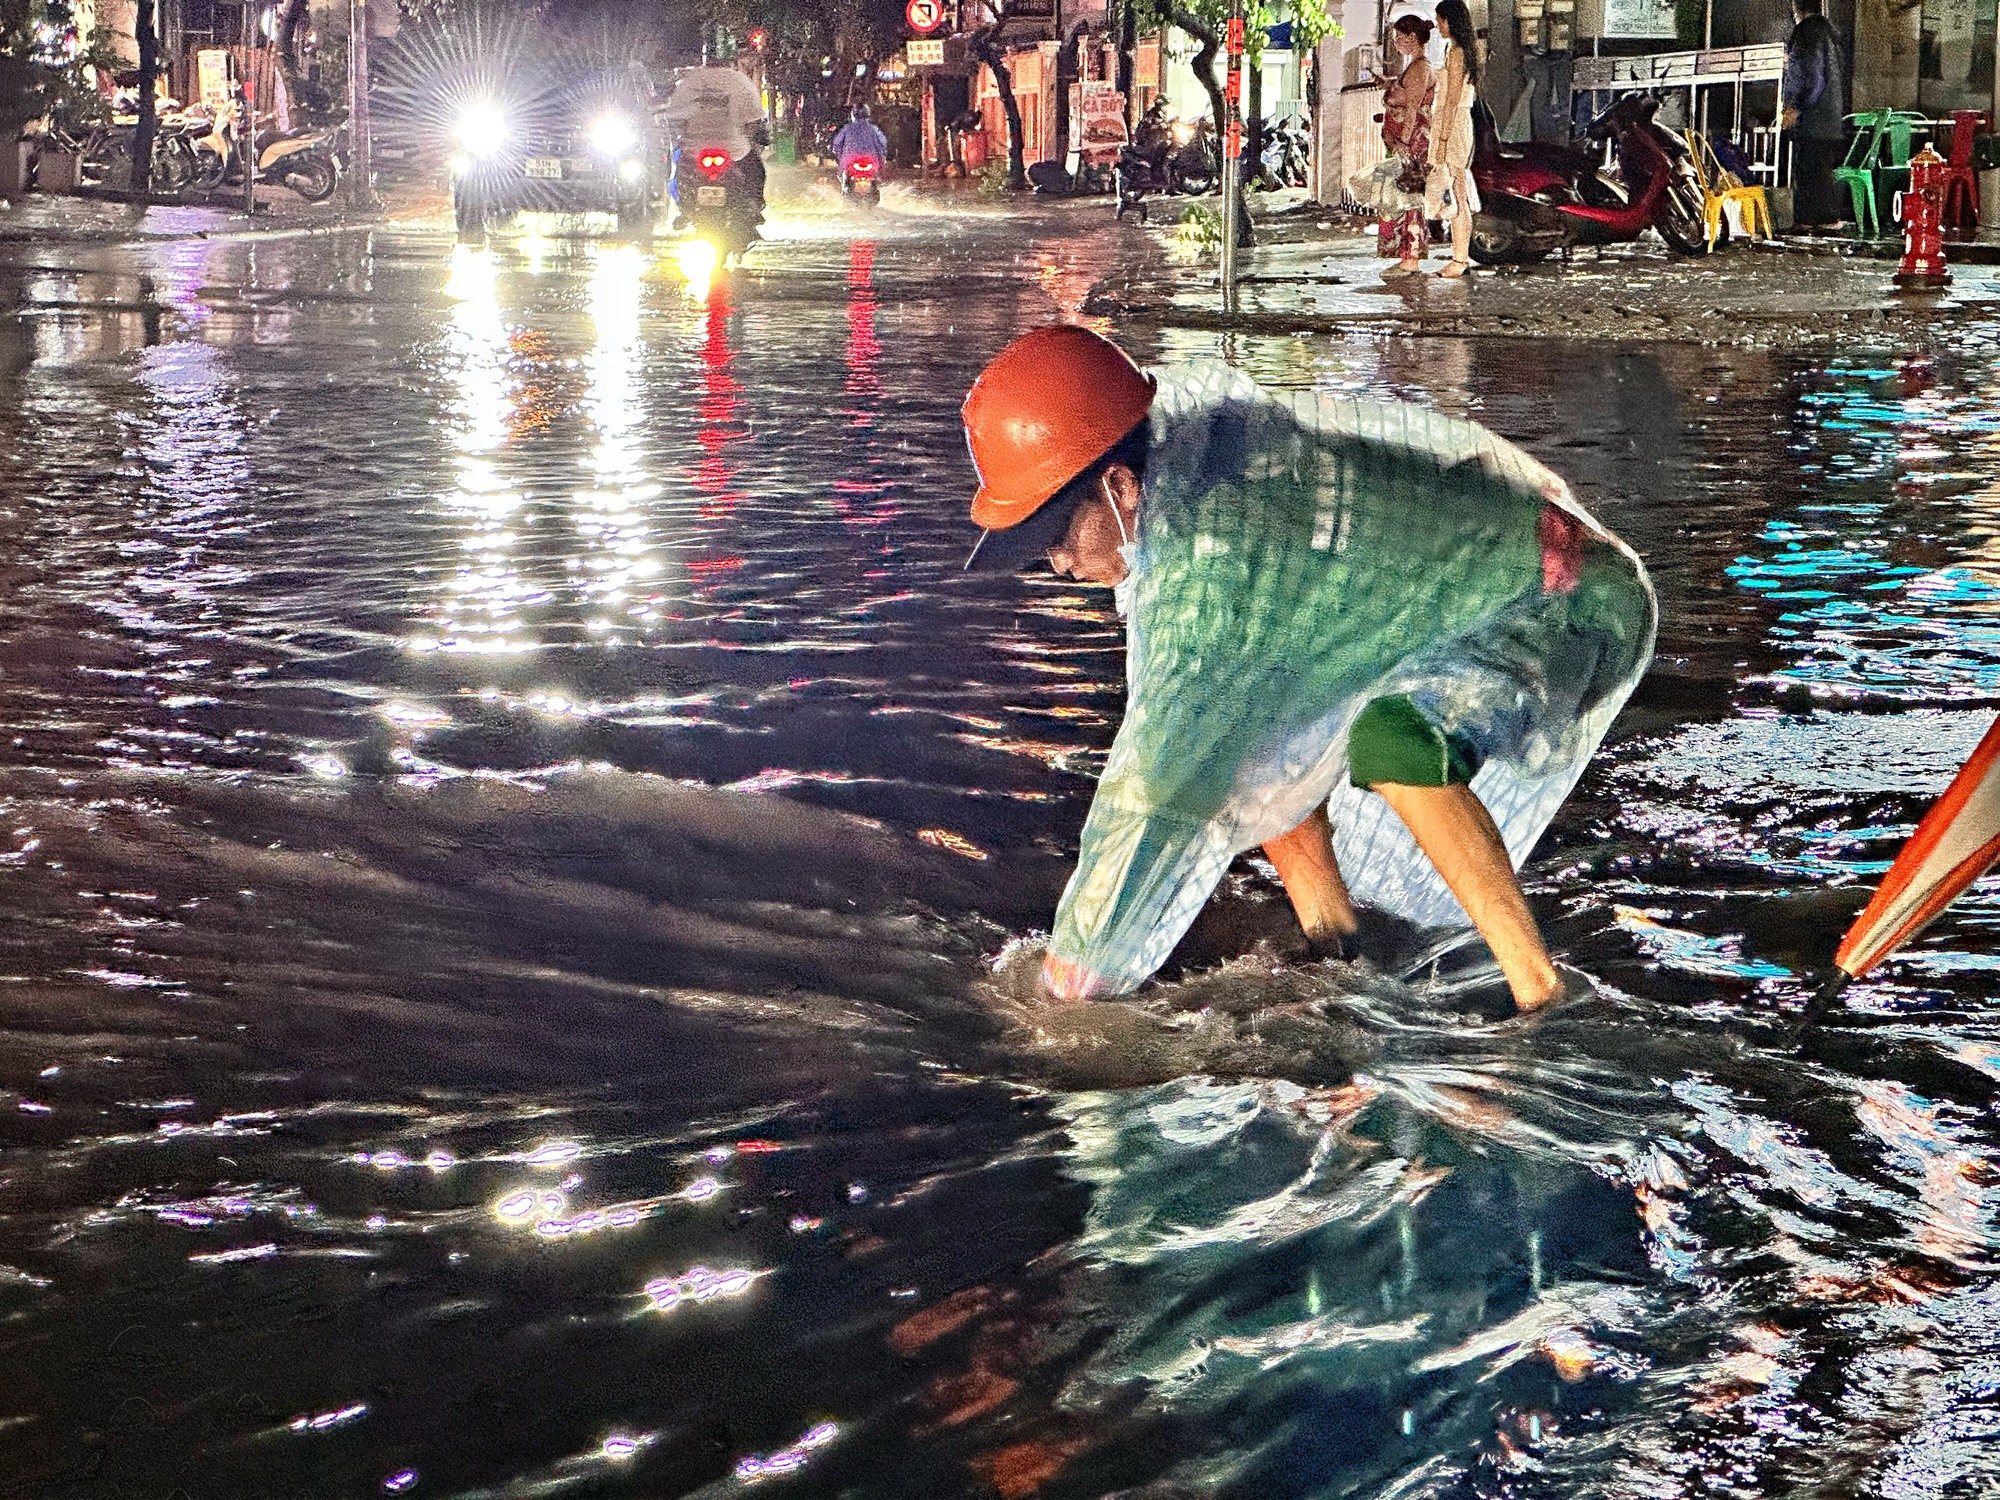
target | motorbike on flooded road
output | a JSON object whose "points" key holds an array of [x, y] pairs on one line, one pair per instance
{"points": [[1540, 199], [715, 199], [861, 181]]}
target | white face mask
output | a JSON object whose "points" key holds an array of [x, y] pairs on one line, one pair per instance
{"points": [[1128, 553]]}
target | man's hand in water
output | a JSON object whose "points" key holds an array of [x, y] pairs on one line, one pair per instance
{"points": [[1065, 980]]}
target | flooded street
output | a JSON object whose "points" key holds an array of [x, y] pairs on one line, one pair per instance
{"points": [[511, 807]]}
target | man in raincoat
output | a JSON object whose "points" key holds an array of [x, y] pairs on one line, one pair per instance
{"points": [[1369, 638]]}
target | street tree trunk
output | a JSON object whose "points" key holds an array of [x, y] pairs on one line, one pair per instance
{"points": [[1065, 76], [983, 44], [1253, 122], [145, 29], [1128, 52], [1203, 63], [290, 19]]}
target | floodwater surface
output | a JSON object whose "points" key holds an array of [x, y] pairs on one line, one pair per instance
{"points": [[512, 810]]}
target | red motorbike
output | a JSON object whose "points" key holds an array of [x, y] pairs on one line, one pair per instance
{"points": [[860, 179], [1539, 199]]}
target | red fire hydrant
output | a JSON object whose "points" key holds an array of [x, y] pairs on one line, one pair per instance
{"points": [[1923, 266]]}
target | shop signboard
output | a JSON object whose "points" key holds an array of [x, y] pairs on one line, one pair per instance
{"points": [[1641, 20], [1100, 114], [1146, 65], [211, 71]]}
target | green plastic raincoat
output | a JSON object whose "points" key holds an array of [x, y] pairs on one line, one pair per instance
{"points": [[1298, 557]]}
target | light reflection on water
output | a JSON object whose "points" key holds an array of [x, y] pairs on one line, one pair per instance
{"points": [[537, 1036]]}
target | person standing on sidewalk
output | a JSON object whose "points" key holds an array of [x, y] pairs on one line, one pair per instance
{"points": [[1815, 94], [1406, 133], [1449, 190], [1334, 606]]}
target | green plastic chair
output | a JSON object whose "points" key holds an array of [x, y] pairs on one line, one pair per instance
{"points": [[1877, 165]]}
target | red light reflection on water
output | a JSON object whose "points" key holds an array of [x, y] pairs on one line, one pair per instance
{"points": [[862, 501], [721, 401], [864, 349]]}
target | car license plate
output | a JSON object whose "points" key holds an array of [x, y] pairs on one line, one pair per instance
{"points": [[711, 195], [545, 166]]}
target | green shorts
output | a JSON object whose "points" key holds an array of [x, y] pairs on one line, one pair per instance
{"points": [[1392, 741]]}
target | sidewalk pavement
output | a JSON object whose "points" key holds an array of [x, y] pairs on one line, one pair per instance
{"points": [[280, 214], [1316, 271]]}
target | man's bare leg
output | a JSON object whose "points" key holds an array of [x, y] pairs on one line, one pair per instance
{"points": [[1305, 862], [1458, 837]]}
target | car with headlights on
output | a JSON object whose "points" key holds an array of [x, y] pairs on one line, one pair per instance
{"points": [[557, 141]]}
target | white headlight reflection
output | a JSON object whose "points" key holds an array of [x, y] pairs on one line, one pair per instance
{"points": [[787, 1460], [665, 1293], [550, 1154], [321, 1421], [547, 1210]]}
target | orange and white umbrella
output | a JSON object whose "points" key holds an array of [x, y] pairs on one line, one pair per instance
{"points": [[1956, 843]]}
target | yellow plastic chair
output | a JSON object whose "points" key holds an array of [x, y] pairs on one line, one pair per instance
{"points": [[1720, 188]]}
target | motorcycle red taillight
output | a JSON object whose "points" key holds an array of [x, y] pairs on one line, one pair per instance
{"points": [[713, 164], [864, 166]]}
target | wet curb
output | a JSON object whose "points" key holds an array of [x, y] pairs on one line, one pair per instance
{"points": [[1747, 329], [50, 235]]}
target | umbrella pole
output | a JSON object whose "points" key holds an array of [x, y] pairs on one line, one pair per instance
{"points": [[1820, 1006]]}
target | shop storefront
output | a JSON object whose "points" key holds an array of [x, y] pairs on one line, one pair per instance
{"points": [[1955, 55]]}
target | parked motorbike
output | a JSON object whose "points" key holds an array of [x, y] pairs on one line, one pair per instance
{"points": [[714, 199], [1286, 154], [1539, 199], [104, 156], [860, 179], [306, 161]]}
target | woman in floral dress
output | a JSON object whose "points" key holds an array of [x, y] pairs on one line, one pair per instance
{"points": [[1406, 132]]}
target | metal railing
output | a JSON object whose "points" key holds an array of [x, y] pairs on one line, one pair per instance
{"points": [[1717, 66]]}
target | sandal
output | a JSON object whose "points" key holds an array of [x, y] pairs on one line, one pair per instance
{"points": [[1453, 269]]}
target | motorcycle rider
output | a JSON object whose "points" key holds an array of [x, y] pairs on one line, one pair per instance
{"points": [[860, 136], [1151, 139], [716, 105]]}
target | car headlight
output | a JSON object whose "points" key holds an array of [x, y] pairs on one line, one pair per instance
{"points": [[612, 135], [482, 130]]}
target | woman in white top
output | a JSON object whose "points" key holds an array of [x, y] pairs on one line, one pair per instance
{"points": [[1451, 135]]}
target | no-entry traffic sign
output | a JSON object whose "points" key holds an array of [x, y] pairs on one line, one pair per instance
{"points": [[924, 15]]}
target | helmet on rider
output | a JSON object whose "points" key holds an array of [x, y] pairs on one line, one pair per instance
{"points": [[1048, 407]]}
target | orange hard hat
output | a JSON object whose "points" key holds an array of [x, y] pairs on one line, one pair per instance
{"points": [[1047, 407]]}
